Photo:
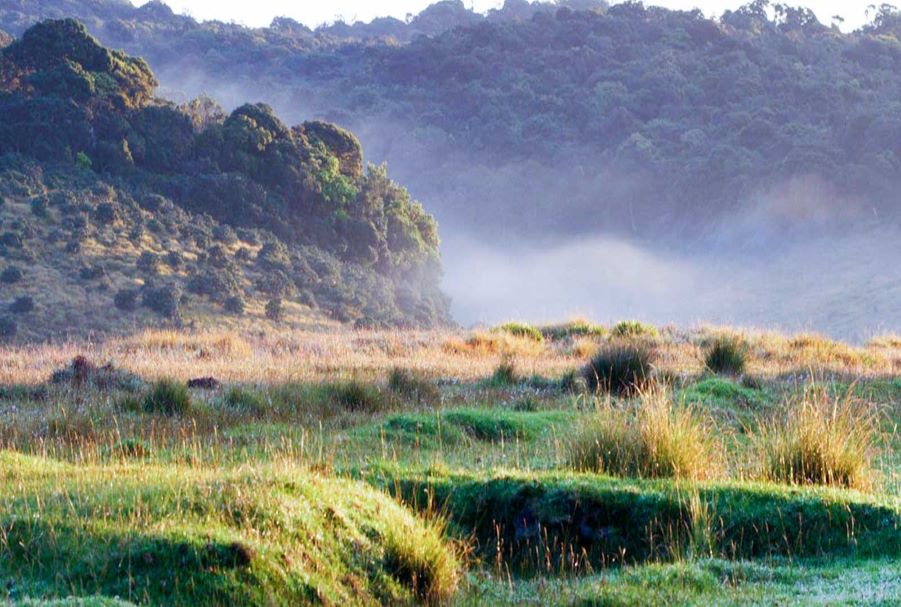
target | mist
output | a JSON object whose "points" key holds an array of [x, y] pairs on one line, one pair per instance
{"points": [[542, 242]]}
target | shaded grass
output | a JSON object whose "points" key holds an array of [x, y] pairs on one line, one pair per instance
{"points": [[576, 522]]}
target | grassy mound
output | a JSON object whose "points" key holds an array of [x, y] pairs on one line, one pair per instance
{"points": [[583, 519], [179, 535], [455, 426]]}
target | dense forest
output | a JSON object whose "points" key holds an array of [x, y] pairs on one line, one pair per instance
{"points": [[568, 117], [108, 189]]}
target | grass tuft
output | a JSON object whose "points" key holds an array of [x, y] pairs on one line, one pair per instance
{"points": [[658, 438], [620, 368], [821, 439], [727, 355]]}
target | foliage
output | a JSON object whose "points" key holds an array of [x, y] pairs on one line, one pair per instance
{"points": [[71, 105]]}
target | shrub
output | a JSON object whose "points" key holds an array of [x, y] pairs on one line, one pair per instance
{"points": [[620, 368], [126, 300], [8, 328], [91, 272], [11, 275], [820, 439], [658, 438], [519, 329], [633, 328], [167, 397], [274, 309], [148, 263], [728, 354], [174, 260], [235, 305], [40, 208], [412, 386], [218, 286], [162, 300], [22, 305], [106, 214]]}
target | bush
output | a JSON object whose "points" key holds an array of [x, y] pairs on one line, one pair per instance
{"points": [[167, 397], [519, 329], [91, 272], [22, 305], [8, 328], [174, 260], [11, 275], [274, 309], [148, 263], [657, 439], [126, 300], [106, 214], [633, 328], [821, 439], [162, 300], [235, 305], [40, 208], [620, 368], [727, 355], [413, 387]]}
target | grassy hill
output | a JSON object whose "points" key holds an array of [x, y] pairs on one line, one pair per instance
{"points": [[119, 210]]}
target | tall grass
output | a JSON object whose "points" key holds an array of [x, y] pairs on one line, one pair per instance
{"points": [[820, 439], [657, 438]]}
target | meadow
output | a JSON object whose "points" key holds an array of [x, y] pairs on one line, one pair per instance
{"points": [[571, 464]]}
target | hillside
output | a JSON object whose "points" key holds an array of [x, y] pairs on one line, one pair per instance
{"points": [[567, 118], [117, 202]]}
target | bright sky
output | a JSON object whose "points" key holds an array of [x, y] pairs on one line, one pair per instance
{"points": [[316, 12]]}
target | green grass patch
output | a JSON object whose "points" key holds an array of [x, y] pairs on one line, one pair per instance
{"points": [[179, 535]]}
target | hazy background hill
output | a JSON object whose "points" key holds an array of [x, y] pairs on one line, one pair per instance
{"points": [[615, 161]]}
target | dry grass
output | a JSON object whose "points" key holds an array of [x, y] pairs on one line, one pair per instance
{"points": [[273, 356], [659, 438], [821, 439]]}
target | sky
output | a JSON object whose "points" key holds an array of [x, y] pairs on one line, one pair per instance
{"points": [[314, 12]]}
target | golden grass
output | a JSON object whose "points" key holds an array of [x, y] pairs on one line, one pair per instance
{"points": [[660, 438], [270, 355], [820, 439]]}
